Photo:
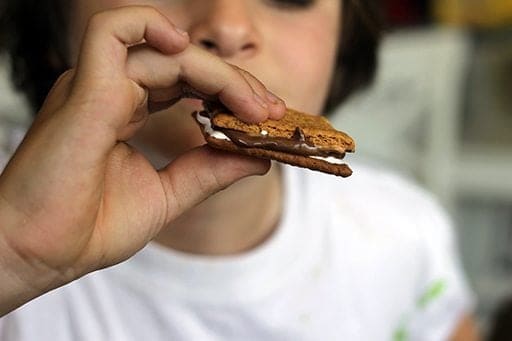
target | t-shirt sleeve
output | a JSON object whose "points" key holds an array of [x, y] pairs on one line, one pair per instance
{"points": [[443, 297]]}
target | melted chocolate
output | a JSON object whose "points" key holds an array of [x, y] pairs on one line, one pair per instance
{"points": [[296, 145]]}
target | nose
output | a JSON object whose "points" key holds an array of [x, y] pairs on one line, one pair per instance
{"points": [[226, 28]]}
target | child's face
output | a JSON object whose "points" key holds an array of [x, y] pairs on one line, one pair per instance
{"points": [[290, 45]]}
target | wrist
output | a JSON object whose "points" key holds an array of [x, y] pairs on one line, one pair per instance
{"points": [[21, 278], [14, 290]]}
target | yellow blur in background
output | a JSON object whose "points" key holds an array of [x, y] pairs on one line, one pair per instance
{"points": [[484, 13]]}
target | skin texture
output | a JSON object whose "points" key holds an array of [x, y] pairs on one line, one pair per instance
{"points": [[63, 216]]}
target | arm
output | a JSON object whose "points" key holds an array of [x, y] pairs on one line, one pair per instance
{"points": [[466, 330], [75, 198]]}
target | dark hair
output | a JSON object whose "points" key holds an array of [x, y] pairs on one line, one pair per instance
{"points": [[501, 326], [357, 59], [33, 32]]}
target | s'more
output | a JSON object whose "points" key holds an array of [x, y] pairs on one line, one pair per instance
{"points": [[298, 139]]}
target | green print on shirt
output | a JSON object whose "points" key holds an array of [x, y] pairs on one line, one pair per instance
{"points": [[433, 292]]}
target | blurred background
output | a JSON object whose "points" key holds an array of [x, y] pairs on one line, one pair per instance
{"points": [[440, 111]]}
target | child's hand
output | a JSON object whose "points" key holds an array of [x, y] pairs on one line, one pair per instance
{"points": [[75, 198]]}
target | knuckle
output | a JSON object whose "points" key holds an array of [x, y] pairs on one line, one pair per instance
{"points": [[147, 11], [98, 19], [150, 10], [251, 79], [217, 182], [172, 194], [205, 182], [209, 180]]}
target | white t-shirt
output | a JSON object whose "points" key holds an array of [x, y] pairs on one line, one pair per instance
{"points": [[370, 257]]}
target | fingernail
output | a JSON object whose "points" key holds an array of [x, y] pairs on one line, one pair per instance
{"points": [[272, 98], [181, 31], [260, 101]]}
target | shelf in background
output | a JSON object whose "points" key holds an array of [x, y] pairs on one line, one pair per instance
{"points": [[484, 171]]}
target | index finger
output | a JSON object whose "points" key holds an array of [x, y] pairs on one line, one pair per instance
{"points": [[109, 34], [206, 74]]}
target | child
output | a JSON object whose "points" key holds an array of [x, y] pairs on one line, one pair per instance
{"points": [[286, 256]]}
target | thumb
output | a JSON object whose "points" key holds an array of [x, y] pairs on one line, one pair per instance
{"points": [[202, 172]]}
